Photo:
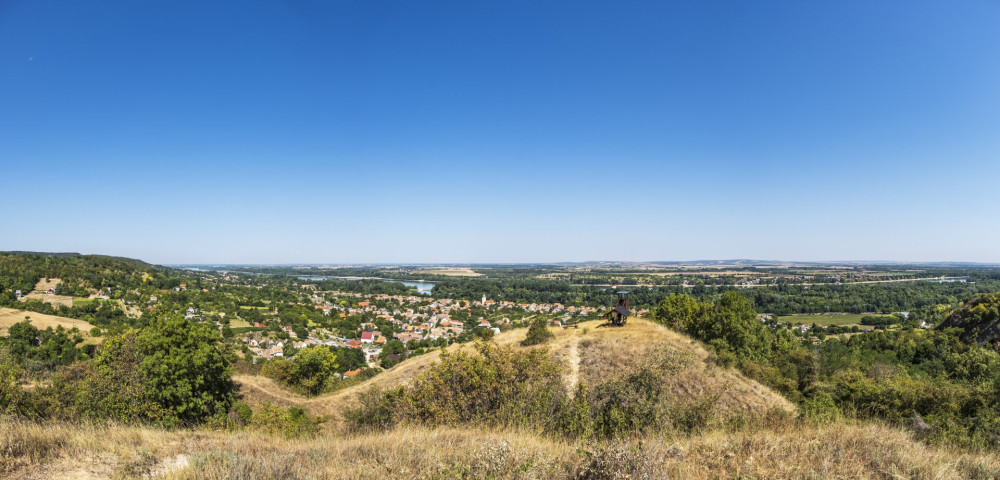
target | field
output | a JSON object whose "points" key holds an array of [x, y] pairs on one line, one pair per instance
{"points": [[9, 316], [239, 323], [450, 272], [39, 293], [826, 319]]}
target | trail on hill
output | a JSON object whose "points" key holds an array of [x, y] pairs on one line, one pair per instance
{"points": [[573, 359]]}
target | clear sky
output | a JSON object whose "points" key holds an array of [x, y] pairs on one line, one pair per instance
{"points": [[511, 131]]}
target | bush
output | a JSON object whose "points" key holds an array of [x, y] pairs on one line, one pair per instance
{"points": [[538, 333], [11, 394], [820, 408], [292, 422], [313, 368], [241, 413], [312, 371], [499, 386], [635, 402], [173, 372]]}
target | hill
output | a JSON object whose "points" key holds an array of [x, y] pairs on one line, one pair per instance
{"points": [[80, 275], [774, 444], [589, 353], [978, 319]]}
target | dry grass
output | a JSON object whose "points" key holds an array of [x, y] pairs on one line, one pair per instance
{"points": [[838, 451], [39, 293], [608, 351], [10, 316]]}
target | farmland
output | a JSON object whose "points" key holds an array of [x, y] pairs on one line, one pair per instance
{"points": [[10, 316]]}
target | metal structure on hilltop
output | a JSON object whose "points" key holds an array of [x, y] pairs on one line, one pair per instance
{"points": [[619, 314]]}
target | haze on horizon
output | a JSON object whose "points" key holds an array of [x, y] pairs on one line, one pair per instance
{"points": [[458, 132]]}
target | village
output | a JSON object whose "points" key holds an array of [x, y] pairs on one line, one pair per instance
{"points": [[413, 321]]}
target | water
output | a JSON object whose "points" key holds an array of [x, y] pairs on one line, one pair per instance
{"points": [[949, 280], [423, 287]]}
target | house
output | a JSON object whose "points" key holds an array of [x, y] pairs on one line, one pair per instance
{"points": [[18, 294], [406, 336], [353, 344], [352, 373], [367, 337], [259, 325], [364, 304]]}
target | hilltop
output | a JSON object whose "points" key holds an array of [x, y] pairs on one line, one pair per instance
{"points": [[590, 353]]}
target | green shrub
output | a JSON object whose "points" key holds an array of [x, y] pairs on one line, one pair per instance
{"points": [[312, 371], [11, 395], [538, 333], [499, 386], [820, 408], [292, 422], [634, 402], [242, 413]]}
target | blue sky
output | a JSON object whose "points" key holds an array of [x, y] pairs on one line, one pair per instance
{"points": [[391, 131]]}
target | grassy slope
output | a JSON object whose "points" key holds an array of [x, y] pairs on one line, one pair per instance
{"points": [[10, 316], [32, 451], [600, 352]]}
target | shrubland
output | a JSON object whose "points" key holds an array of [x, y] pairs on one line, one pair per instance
{"points": [[946, 389]]}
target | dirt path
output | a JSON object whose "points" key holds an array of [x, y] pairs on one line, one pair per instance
{"points": [[573, 358]]}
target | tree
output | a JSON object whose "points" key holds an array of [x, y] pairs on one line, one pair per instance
{"points": [[313, 366], [680, 312], [186, 368], [538, 333], [729, 325], [11, 393], [392, 348]]}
